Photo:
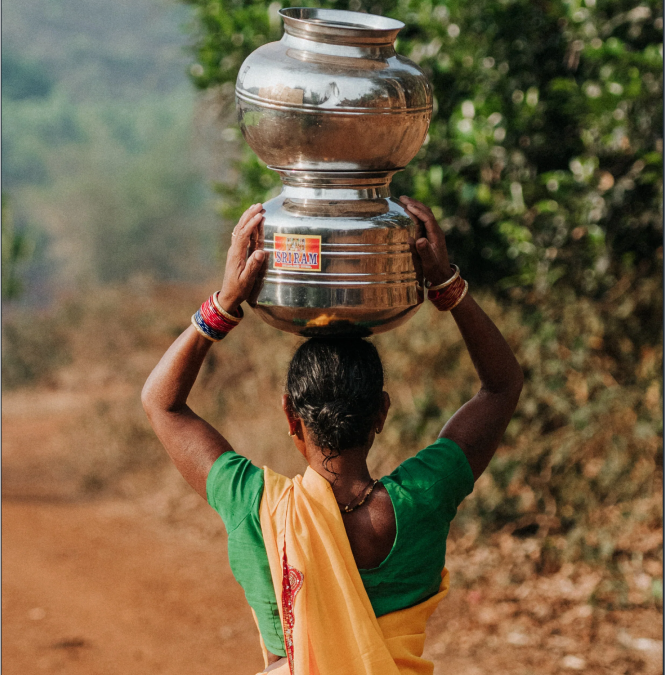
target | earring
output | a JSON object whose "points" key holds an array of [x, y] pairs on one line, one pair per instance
{"points": [[290, 434]]}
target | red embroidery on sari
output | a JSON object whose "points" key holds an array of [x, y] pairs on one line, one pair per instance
{"points": [[292, 581]]}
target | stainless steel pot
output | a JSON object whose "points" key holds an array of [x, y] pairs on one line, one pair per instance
{"points": [[332, 94], [336, 112], [339, 258]]}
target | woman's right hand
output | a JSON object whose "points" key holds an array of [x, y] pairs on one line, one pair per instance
{"points": [[242, 271], [430, 255]]}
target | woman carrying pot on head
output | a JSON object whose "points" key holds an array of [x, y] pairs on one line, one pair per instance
{"points": [[341, 570]]}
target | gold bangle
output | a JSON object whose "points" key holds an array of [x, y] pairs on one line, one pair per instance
{"points": [[461, 297], [224, 313], [446, 283], [199, 331]]}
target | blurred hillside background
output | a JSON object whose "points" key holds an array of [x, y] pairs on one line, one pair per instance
{"points": [[120, 185]]}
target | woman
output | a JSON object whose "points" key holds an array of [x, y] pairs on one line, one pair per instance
{"points": [[341, 570]]}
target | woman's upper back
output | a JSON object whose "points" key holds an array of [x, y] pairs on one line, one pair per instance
{"points": [[371, 528], [424, 492]]}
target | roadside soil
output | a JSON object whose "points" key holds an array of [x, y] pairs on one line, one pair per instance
{"points": [[134, 579]]}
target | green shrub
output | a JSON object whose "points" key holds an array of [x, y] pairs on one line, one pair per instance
{"points": [[17, 249]]}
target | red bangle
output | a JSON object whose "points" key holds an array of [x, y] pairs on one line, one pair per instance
{"points": [[449, 297], [218, 323]]}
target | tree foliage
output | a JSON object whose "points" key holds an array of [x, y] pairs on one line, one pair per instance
{"points": [[543, 160], [98, 152], [23, 79], [17, 249]]}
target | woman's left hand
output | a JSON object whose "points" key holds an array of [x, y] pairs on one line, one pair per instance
{"points": [[242, 271], [430, 254]]}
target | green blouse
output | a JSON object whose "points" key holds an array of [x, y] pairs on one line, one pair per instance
{"points": [[425, 491]]}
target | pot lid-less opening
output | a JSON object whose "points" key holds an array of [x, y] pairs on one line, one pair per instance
{"points": [[339, 26]]}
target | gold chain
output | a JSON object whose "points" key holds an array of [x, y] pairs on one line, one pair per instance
{"points": [[348, 508]]}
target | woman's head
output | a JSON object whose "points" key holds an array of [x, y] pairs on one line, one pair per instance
{"points": [[335, 386]]}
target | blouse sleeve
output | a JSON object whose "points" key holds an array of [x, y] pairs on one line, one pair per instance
{"points": [[440, 474], [232, 487]]}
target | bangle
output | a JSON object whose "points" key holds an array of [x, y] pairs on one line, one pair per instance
{"points": [[203, 329], [448, 298], [447, 282], [216, 321], [462, 296], [222, 312], [211, 323], [420, 294]]}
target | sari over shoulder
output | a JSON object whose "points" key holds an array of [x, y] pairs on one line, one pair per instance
{"points": [[329, 625]]}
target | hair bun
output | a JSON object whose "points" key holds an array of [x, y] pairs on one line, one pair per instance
{"points": [[335, 387], [337, 423]]}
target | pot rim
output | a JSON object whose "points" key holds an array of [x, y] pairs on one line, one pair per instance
{"points": [[342, 26]]}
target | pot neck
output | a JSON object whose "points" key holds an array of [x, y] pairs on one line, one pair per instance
{"points": [[335, 185], [304, 47]]}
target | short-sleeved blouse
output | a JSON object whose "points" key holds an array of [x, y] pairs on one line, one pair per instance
{"points": [[425, 491]]}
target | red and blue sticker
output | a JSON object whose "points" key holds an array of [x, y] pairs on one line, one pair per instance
{"points": [[297, 252]]}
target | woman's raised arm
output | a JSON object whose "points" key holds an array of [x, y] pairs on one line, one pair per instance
{"points": [[191, 442], [478, 426]]}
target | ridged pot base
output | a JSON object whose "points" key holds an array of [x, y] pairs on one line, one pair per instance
{"points": [[339, 259], [340, 322]]}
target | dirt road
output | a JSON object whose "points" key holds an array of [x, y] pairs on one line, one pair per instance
{"points": [[92, 589]]}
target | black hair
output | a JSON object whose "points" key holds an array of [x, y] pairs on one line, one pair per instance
{"points": [[336, 386]]}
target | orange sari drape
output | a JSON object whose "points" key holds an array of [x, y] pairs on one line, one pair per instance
{"points": [[329, 625]]}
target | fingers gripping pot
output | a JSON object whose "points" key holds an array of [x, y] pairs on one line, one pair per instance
{"points": [[336, 112]]}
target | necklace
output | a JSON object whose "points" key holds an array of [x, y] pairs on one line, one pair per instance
{"points": [[368, 491]]}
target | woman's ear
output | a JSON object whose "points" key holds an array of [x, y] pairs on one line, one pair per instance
{"points": [[288, 411], [383, 412], [296, 427]]}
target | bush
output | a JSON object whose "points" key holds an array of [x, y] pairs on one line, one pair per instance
{"points": [[18, 246], [585, 438], [33, 349]]}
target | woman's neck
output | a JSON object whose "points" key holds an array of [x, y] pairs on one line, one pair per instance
{"points": [[347, 474]]}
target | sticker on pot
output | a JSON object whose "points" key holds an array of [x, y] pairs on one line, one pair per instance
{"points": [[297, 252]]}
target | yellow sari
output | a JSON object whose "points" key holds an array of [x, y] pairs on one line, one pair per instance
{"points": [[329, 625]]}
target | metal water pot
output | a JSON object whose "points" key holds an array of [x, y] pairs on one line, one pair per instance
{"points": [[336, 112]]}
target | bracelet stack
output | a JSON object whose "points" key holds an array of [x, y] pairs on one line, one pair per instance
{"points": [[450, 293], [213, 322]]}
